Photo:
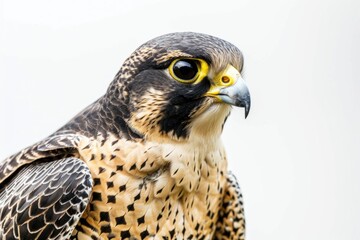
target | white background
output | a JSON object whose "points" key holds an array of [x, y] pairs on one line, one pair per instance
{"points": [[296, 156]]}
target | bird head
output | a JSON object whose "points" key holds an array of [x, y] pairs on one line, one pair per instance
{"points": [[180, 85]]}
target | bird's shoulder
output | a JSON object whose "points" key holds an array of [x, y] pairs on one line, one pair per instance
{"points": [[51, 148]]}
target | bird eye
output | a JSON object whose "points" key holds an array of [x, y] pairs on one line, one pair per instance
{"points": [[185, 70], [189, 70]]}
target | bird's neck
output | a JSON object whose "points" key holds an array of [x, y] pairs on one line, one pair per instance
{"points": [[106, 116]]}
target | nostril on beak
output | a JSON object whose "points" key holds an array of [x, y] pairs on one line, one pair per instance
{"points": [[225, 79]]}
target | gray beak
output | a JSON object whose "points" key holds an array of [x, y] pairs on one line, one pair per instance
{"points": [[237, 95]]}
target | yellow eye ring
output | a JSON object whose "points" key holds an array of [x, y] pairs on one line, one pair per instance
{"points": [[188, 70]]}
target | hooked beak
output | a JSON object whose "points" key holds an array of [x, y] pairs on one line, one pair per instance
{"points": [[237, 95], [229, 87]]}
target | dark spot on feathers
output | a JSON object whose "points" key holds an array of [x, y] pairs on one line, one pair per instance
{"points": [[169, 153], [172, 233], [143, 164], [111, 199], [144, 234], [122, 188], [133, 167], [125, 234], [137, 197], [130, 207], [141, 220], [120, 220], [104, 216], [97, 181], [96, 196], [101, 170], [110, 184], [159, 191], [86, 147], [197, 226]]}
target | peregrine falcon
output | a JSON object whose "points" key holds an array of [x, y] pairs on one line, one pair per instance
{"points": [[144, 161]]}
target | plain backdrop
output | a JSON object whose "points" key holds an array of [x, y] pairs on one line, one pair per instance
{"points": [[296, 156]]}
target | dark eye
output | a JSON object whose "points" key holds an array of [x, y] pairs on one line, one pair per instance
{"points": [[185, 69], [189, 70]]}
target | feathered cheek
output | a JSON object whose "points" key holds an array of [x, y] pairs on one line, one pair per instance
{"points": [[148, 111]]}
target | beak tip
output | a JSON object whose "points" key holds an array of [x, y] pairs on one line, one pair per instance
{"points": [[247, 109], [246, 114]]}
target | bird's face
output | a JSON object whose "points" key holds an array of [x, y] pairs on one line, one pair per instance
{"points": [[182, 85]]}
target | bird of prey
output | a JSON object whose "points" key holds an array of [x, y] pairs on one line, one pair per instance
{"points": [[144, 161]]}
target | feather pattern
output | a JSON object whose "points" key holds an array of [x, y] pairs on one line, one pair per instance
{"points": [[45, 200], [144, 161]]}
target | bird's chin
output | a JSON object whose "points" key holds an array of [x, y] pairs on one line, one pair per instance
{"points": [[213, 109], [217, 112], [218, 107], [209, 122]]}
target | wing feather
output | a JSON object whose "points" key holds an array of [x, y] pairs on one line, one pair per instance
{"points": [[231, 222], [57, 145], [44, 200]]}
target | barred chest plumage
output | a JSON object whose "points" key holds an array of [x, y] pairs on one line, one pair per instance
{"points": [[151, 190]]}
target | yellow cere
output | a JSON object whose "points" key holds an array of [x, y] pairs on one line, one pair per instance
{"points": [[225, 78]]}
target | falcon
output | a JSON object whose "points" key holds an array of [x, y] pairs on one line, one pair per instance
{"points": [[144, 161]]}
